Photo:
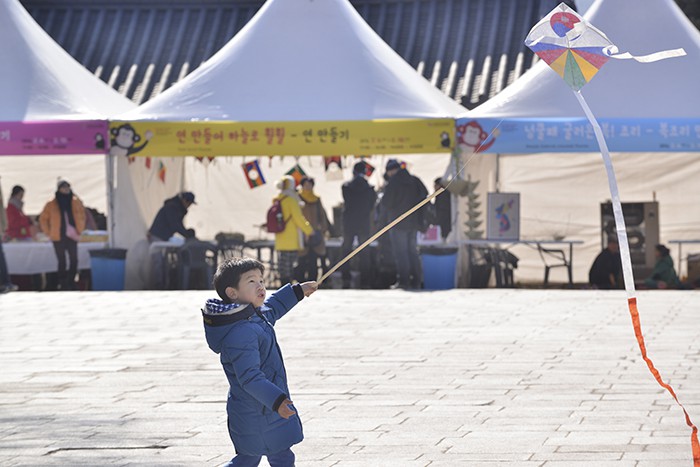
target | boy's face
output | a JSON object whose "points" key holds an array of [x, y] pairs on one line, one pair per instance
{"points": [[251, 289]]}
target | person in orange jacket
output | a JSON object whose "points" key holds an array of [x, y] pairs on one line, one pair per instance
{"points": [[63, 219]]}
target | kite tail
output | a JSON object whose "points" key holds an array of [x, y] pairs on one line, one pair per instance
{"points": [[634, 313], [627, 271]]}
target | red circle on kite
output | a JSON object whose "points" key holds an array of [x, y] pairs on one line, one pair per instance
{"points": [[562, 23]]}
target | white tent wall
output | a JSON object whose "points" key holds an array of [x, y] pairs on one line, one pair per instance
{"points": [[38, 176], [560, 194], [139, 194]]}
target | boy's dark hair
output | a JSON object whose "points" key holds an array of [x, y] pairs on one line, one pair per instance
{"points": [[229, 273]]}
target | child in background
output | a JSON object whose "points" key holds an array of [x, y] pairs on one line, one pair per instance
{"points": [[261, 418]]}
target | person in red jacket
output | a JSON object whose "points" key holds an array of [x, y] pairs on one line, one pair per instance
{"points": [[19, 225]]}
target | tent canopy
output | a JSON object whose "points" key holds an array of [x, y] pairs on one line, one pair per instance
{"points": [[299, 64], [41, 81], [302, 77], [302, 60], [51, 106], [641, 106]]}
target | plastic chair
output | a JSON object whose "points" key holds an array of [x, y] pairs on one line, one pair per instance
{"points": [[506, 263], [197, 263], [229, 245], [554, 258], [480, 265]]}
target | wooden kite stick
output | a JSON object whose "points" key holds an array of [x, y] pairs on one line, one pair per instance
{"points": [[379, 234]]}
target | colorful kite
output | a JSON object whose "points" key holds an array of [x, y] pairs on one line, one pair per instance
{"points": [[297, 173], [576, 51], [328, 160], [162, 171], [253, 174]]}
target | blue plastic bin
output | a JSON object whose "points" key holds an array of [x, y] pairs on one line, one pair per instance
{"points": [[107, 268], [439, 265]]}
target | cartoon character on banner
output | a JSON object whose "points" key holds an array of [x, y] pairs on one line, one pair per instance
{"points": [[472, 138], [124, 139], [445, 139]]}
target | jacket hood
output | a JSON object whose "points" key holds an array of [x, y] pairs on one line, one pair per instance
{"points": [[219, 317]]}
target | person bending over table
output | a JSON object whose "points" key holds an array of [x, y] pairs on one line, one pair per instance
{"points": [[168, 222]]}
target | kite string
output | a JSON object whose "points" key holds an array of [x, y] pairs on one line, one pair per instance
{"points": [[409, 211], [628, 276]]}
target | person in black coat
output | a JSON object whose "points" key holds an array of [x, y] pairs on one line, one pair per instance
{"points": [[443, 209], [605, 271], [358, 201], [169, 219], [168, 222], [402, 192]]}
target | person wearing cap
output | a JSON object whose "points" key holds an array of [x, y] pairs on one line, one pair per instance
{"points": [[168, 221], [62, 220], [402, 192], [358, 201]]}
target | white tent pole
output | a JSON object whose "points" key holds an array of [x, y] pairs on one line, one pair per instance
{"points": [[109, 161]]}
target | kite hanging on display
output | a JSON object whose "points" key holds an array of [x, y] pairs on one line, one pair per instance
{"points": [[328, 160], [161, 171], [576, 51], [297, 173], [253, 174]]}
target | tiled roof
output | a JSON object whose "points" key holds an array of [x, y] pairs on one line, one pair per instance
{"points": [[470, 49]]}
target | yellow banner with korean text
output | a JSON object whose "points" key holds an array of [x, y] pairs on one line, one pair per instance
{"points": [[228, 138]]}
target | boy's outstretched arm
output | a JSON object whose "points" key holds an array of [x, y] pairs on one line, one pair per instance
{"points": [[309, 287], [285, 298]]}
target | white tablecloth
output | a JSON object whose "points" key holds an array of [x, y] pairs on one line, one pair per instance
{"points": [[39, 257]]}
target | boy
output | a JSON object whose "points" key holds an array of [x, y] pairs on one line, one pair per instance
{"points": [[261, 418]]}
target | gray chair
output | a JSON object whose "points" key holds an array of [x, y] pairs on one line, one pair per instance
{"points": [[554, 258], [197, 262], [229, 245]]}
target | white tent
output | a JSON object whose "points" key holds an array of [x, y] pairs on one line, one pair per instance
{"points": [[296, 60], [41, 84], [561, 192]]}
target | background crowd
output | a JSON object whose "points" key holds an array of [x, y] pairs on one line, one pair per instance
{"points": [[62, 221], [302, 232]]}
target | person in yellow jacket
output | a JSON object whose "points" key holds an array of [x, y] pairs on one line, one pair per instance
{"points": [[63, 219], [290, 241]]}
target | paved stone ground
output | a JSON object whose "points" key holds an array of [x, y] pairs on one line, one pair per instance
{"points": [[381, 378]]}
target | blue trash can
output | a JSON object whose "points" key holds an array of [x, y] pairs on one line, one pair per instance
{"points": [[107, 268], [439, 265]]}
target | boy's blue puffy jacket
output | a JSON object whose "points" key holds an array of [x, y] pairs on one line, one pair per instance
{"points": [[245, 339]]}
